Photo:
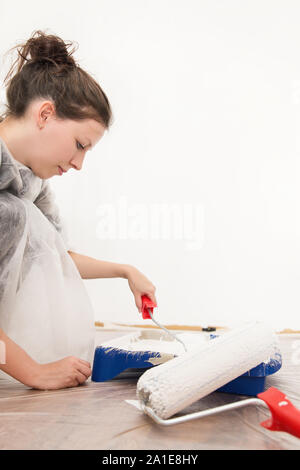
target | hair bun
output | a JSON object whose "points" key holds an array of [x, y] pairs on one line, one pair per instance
{"points": [[45, 69], [50, 49]]}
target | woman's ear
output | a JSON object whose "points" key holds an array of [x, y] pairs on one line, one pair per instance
{"points": [[47, 110]]}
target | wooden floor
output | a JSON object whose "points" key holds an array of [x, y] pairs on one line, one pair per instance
{"points": [[96, 416]]}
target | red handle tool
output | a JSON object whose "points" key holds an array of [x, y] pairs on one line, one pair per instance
{"points": [[147, 303], [285, 416]]}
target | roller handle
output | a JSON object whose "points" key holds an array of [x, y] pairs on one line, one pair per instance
{"points": [[147, 303], [285, 417]]}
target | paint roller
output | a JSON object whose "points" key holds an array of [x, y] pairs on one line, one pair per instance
{"points": [[168, 388]]}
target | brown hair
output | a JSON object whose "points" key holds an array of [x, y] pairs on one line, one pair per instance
{"points": [[51, 72]]}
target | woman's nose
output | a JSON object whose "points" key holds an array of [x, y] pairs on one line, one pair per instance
{"points": [[77, 161]]}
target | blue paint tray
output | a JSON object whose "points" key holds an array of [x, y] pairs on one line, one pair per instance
{"points": [[130, 355]]}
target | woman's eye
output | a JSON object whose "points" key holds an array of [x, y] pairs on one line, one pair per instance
{"points": [[79, 146]]}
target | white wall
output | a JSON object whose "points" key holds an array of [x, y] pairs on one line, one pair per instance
{"points": [[206, 99]]}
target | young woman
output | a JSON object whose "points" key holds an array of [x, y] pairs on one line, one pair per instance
{"points": [[55, 113]]}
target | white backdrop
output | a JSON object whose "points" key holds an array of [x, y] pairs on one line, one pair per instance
{"points": [[197, 182]]}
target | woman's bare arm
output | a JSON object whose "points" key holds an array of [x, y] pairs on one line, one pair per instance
{"points": [[18, 363], [67, 372]]}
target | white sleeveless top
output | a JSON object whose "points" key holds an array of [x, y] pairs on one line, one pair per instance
{"points": [[44, 306]]}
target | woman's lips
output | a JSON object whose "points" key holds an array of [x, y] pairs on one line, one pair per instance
{"points": [[60, 170]]}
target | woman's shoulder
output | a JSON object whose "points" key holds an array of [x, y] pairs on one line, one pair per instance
{"points": [[10, 178], [16, 178]]}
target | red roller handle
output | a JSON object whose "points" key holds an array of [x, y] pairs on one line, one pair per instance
{"points": [[285, 417], [147, 303]]}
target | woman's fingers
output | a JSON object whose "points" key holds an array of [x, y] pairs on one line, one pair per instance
{"points": [[85, 363], [152, 297], [82, 368], [80, 377]]}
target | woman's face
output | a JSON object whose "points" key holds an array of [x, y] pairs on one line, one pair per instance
{"points": [[59, 142]]}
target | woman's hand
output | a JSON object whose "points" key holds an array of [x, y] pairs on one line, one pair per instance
{"points": [[139, 286], [68, 372]]}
